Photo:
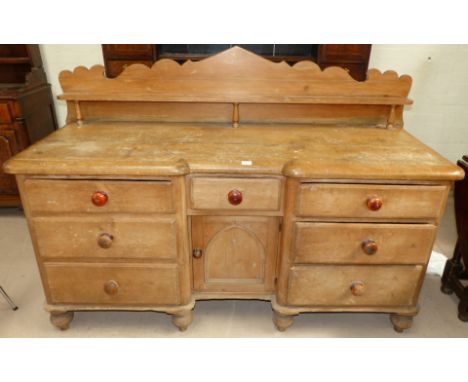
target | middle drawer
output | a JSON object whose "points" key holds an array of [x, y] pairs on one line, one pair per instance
{"points": [[106, 237], [362, 243]]}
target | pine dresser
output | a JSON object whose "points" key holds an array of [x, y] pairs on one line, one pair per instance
{"points": [[233, 178]]}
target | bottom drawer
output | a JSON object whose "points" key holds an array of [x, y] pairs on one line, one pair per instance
{"points": [[125, 284], [325, 285]]}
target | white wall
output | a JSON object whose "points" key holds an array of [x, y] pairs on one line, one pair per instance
{"points": [[439, 116], [67, 57]]}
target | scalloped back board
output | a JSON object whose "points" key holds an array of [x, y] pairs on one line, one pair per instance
{"points": [[236, 87]]}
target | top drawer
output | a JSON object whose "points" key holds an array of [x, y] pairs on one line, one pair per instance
{"points": [[370, 201], [235, 193], [80, 196]]}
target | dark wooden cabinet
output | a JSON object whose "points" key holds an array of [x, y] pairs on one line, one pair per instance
{"points": [[456, 269], [353, 57], [26, 108]]}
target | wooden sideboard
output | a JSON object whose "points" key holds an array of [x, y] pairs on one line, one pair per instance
{"points": [[354, 58], [233, 178], [26, 108]]}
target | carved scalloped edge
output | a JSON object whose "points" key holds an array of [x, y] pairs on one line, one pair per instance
{"points": [[227, 62]]}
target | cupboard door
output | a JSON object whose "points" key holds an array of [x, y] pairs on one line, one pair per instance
{"points": [[234, 254], [8, 147]]}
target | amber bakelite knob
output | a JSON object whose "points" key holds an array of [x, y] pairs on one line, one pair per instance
{"points": [[105, 240], [99, 198], [235, 197], [369, 247], [374, 203], [111, 287], [357, 288]]}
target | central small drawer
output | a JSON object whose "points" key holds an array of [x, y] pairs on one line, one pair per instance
{"points": [[235, 193], [105, 283], [98, 196], [322, 200], [362, 243], [106, 237]]}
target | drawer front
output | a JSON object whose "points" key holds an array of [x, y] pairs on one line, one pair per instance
{"points": [[125, 284], [106, 237], [5, 114], [357, 201], [50, 196], [359, 243], [235, 194], [327, 285]]}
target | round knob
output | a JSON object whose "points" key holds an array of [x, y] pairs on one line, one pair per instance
{"points": [[369, 247], [197, 253], [99, 198], [235, 197], [105, 240], [357, 288], [111, 287], [374, 203]]}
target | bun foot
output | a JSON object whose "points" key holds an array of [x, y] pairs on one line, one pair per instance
{"points": [[401, 323], [61, 320], [182, 320], [282, 321]]}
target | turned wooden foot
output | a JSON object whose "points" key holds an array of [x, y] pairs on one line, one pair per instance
{"points": [[61, 320], [282, 321], [400, 323], [182, 320]]}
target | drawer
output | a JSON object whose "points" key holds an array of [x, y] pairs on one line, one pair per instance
{"points": [[235, 193], [106, 237], [46, 196], [125, 284], [359, 243], [6, 116], [370, 201], [354, 285]]}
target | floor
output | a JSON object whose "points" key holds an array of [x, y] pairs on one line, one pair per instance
{"points": [[20, 278]]}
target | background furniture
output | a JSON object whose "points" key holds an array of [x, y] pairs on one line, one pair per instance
{"points": [[8, 299], [456, 269], [233, 177], [26, 108], [353, 57]]}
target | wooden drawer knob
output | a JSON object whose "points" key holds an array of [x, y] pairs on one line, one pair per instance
{"points": [[99, 198], [235, 197], [105, 240], [111, 287], [357, 288], [369, 247], [374, 203]]}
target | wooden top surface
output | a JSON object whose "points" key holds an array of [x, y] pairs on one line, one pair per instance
{"points": [[164, 149]]}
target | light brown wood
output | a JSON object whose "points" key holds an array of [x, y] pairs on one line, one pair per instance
{"points": [[238, 253], [257, 193], [401, 322], [132, 238], [163, 149], [331, 285], [139, 284], [149, 199], [341, 243], [282, 321], [61, 320], [399, 202], [207, 80], [74, 196]]}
